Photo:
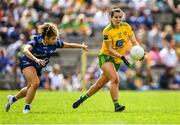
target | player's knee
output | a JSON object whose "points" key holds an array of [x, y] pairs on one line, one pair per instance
{"points": [[114, 80], [28, 85], [35, 84]]}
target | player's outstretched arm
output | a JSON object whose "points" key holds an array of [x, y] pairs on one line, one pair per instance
{"points": [[126, 61], [75, 45]]}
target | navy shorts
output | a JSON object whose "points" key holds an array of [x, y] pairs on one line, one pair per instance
{"points": [[25, 63]]}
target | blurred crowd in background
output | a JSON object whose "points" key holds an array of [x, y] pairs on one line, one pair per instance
{"points": [[156, 24]]}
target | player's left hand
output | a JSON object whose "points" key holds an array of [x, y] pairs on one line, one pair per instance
{"points": [[85, 47], [126, 62], [143, 56], [40, 62]]}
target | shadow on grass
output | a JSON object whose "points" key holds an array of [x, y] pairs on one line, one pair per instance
{"points": [[75, 112]]}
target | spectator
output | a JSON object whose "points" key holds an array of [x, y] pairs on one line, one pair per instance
{"points": [[168, 35], [45, 82], [168, 54], [167, 78], [13, 13], [177, 79], [101, 3], [82, 26], [68, 23], [174, 5], [56, 78], [13, 33], [177, 31], [38, 5], [12, 48], [136, 19], [29, 18], [76, 80], [153, 57], [130, 80], [66, 83], [4, 60], [154, 37], [101, 18]]}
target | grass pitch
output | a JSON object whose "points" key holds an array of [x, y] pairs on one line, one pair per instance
{"points": [[150, 107]]}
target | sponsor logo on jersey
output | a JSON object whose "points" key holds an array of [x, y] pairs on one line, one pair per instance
{"points": [[105, 37]]}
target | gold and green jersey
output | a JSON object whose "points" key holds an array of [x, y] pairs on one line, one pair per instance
{"points": [[119, 38]]}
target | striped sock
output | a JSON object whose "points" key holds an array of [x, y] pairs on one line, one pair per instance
{"points": [[84, 97], [115, 103], [14, 99], [27, 107]]}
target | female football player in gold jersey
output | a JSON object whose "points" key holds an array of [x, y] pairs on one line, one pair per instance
{"points": [[115, 40]]}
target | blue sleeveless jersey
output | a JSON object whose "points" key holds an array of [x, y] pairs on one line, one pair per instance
{"points": [[40, 51]]}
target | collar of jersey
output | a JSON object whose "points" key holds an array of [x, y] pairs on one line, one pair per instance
{"points": [[114, 26]]}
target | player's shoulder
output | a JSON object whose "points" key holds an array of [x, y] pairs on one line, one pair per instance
{"points": [[59, 43], [37, 38], [108, 28]]}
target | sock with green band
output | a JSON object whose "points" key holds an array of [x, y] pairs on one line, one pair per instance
{"points": [[84, 97], [115, 103]]}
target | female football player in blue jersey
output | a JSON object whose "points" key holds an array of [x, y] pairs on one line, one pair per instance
{"points": [[36, 55]]}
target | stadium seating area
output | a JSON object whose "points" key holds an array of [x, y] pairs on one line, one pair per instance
{"points": [[156, 24]]}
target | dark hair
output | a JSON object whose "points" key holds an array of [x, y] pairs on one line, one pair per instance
{"points": [[168, 38], [48, 29], [115, 9]]}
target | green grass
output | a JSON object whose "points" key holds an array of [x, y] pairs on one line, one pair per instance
{"points": [[151, 107]]}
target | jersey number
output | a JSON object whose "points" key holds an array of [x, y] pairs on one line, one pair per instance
{"points": [[120, 43]]}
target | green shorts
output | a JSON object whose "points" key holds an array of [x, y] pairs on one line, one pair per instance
{"points": [[106, 58]]}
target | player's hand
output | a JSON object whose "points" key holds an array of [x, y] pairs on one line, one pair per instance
{"points": [[126, 61], [40, 62], [84, 46], [143, 56]]}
